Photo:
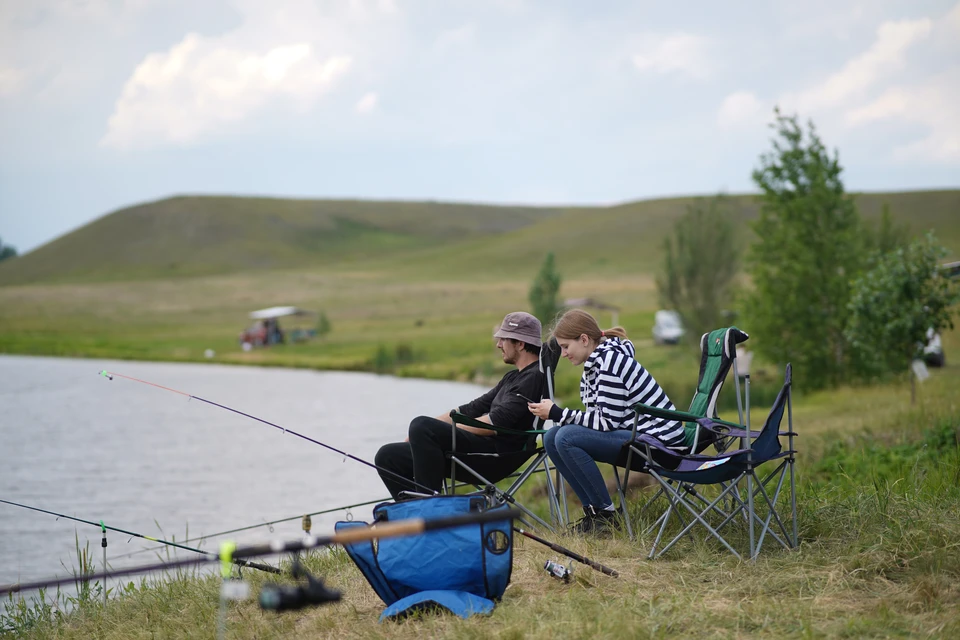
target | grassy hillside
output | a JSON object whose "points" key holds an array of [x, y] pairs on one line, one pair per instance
{"points": [[204, 235]]}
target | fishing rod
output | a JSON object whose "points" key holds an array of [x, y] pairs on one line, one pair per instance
{"points": [[110, 375], [567, 552], [263, 524], [230, 553], [103, 527], [593, 564]]}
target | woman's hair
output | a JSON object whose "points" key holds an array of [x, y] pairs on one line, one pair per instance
{"points": [[576, 322]]}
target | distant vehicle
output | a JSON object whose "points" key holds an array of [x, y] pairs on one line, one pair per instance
{"points": [[266, 330], [667, 327], [933, 351]]}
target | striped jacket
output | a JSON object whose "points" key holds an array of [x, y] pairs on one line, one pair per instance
{"points": [[612, 382]]}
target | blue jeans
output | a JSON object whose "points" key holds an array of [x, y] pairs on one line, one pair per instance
{"points": [[575, 451]]}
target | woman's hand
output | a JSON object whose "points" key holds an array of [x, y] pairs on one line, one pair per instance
{"points": [[540, 409]]}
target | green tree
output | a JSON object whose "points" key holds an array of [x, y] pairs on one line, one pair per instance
{"points": [[809, 247], [701, 260], [6, 251], [895, 303], [887, 237], [323, 325], [543, 291]]}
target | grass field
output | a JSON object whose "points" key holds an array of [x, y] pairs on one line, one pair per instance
{"points": [[419, 296]]}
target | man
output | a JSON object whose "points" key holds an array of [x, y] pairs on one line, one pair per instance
{"points": [[422, 457]]}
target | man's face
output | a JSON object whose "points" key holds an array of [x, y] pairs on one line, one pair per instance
{"points": [[510, 349]]}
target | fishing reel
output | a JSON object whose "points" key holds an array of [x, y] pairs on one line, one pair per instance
{"points": [[559, 571], [283, 597]]}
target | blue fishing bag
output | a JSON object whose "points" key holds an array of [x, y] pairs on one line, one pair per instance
{"points": [[462, 569]]}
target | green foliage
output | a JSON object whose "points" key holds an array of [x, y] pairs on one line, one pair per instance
{"points": [[6, 251], [701, 260], [895, 303], [809, 246], [543, 292], [888, 236], [323, 325]]}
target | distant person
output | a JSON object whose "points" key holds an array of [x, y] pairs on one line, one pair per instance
{"points": [[422, 456], [612, 382]]}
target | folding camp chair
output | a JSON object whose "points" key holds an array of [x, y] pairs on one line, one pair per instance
{"points": [[467, 462], [733, 471], [718, 352]]}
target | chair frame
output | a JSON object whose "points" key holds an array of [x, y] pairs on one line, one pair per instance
{"points": [[556, 494], [738, 465], [730, 337]]}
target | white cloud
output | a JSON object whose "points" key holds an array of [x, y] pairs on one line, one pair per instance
{"points": [[203, 86], [932, 105], [739, 109], [859, 74], [682, 52], [10, 80], [930, 101], [367, 103]]}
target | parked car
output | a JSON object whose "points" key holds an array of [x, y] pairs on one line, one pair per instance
{"points": [[667, 327], [933, 351]]}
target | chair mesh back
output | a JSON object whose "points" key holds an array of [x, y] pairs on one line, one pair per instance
{"points": [[717, 351], [767, 443], [549, 359]]}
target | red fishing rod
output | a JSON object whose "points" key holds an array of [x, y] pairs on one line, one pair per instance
{"points": [[567, 552]]}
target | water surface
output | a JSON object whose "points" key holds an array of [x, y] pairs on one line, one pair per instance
{"points": [[158, 463]]}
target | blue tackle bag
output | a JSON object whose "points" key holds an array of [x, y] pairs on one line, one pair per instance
{"points": [[461, 569]]}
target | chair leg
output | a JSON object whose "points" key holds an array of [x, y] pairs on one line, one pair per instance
{"points": [[623, 501], [507, 496], [698, 517]]}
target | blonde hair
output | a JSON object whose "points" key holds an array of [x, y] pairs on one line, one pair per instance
{"points": [[576, 322]]}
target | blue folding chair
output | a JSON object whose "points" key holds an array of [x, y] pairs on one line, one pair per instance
{"points": [[681, 476]]}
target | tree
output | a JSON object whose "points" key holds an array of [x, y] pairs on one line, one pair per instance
{"points": [[809, 247], [543, 292], [700, 264], [887, 237], [6, 251], [895, 303], [323, 325]]}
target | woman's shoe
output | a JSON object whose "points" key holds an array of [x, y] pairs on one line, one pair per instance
{"points": [[602, 522]]}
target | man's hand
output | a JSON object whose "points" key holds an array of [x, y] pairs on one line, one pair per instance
{"points": [[541, 409]]}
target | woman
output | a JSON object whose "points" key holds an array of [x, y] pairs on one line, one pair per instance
{"points": [[612, 382]]}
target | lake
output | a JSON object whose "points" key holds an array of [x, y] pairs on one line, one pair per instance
{"points": [[161, 464]]}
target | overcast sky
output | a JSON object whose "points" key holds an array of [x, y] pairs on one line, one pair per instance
{"points": [[106, 103]]}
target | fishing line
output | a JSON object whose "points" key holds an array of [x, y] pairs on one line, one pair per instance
{"points": [[261, 524], [111, 375], [231, 553], [100, 525], [570, 554]]}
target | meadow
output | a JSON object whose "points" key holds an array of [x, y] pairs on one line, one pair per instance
{"points": [[879, 476]]}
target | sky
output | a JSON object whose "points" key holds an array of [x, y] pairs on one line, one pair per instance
{"points": [[108, 103]]}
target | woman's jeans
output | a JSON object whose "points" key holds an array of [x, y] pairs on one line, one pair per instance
{"points": [[575, 451]]}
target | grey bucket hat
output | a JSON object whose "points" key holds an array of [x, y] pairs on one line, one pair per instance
{"points": [[520, 326]]}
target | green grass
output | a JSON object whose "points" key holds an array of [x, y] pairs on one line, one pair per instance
{"points": [[879, 558]]}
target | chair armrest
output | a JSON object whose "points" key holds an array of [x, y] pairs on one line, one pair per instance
{"points": [[459, 418], [683, 416]]}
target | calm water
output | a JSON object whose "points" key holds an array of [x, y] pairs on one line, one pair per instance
{"points": [[157, 463]]}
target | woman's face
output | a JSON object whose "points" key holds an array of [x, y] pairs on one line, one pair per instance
{"points": [[576, 350]]}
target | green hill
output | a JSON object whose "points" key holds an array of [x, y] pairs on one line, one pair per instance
{"points": [[206, 235]]}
